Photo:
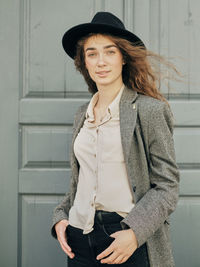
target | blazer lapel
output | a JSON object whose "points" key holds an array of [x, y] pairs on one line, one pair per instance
{"points": [[128, 116]]}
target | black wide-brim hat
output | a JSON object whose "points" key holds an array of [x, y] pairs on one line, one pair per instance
{"points": [[102, 22]]}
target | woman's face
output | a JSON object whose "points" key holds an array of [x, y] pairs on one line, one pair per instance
{"points": [[103, 60]]}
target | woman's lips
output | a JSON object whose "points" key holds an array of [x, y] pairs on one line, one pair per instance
{"points": [[102, 73]]}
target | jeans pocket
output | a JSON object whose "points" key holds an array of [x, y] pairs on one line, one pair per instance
{"points": [[109, 229], [68, 234], [139, 257], [74, 235]]}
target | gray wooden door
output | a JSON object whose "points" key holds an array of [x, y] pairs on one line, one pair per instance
{"points": [[40, 92]]}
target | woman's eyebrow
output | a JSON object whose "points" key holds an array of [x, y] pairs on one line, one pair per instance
{"points": [[107, 46]]}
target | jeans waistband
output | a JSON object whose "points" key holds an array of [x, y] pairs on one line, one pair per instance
{"points": [[107, 217]]}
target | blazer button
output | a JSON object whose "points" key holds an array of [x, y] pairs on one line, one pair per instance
{"points": [[134, 188]]}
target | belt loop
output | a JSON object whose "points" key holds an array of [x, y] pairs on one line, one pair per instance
{"points": [[100, 216]]}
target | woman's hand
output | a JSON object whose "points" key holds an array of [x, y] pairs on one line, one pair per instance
{"points": [[122, 247], [60, 228]]}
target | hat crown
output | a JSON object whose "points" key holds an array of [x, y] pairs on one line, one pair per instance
{"points": [[108, 19], [102, 22]]}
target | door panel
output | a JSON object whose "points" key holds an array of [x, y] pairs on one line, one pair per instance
{"points": [[37, 246]]}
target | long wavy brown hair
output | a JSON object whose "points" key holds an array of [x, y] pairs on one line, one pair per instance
{"points": [[141, 72]]}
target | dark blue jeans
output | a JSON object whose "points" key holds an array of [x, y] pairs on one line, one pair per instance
{"points": [[87, 246]]}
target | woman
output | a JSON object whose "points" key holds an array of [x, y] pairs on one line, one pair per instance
{"points": [[124, 182]]}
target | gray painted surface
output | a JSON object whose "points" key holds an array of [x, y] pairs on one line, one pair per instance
{"points": [[40, 91], [9, 91]]}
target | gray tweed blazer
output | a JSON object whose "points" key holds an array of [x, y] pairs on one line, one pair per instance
{"points": [[146, 126]]}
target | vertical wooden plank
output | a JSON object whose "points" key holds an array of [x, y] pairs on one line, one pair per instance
{"points": [[115, 7], [174, 38], [129, 14], [141, 20], [192, 22], [98, 6], [154, 26], [9, 54]]}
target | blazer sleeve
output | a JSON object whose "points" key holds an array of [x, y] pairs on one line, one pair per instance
{"points": [[150, 212]]}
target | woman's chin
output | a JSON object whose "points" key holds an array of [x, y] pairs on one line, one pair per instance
{"points": [[103, 82]]}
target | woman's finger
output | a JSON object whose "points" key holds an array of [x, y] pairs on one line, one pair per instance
{"points": [[69, 253], [120, 259], [65, 247], [63, 240], [106, 252], [111, 258]]}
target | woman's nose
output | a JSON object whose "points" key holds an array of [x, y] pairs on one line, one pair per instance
{"points": [[101, 60]]}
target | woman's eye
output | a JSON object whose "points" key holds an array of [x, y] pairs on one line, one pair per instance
{"points": [[111, 52]]}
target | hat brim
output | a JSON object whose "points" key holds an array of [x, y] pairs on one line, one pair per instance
{"points": [[72, 36]]}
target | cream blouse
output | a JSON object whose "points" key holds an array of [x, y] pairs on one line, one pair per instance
{"points": [[103, 183]]}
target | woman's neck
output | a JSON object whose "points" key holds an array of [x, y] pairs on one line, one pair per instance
{"points": [[107, 94]]}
